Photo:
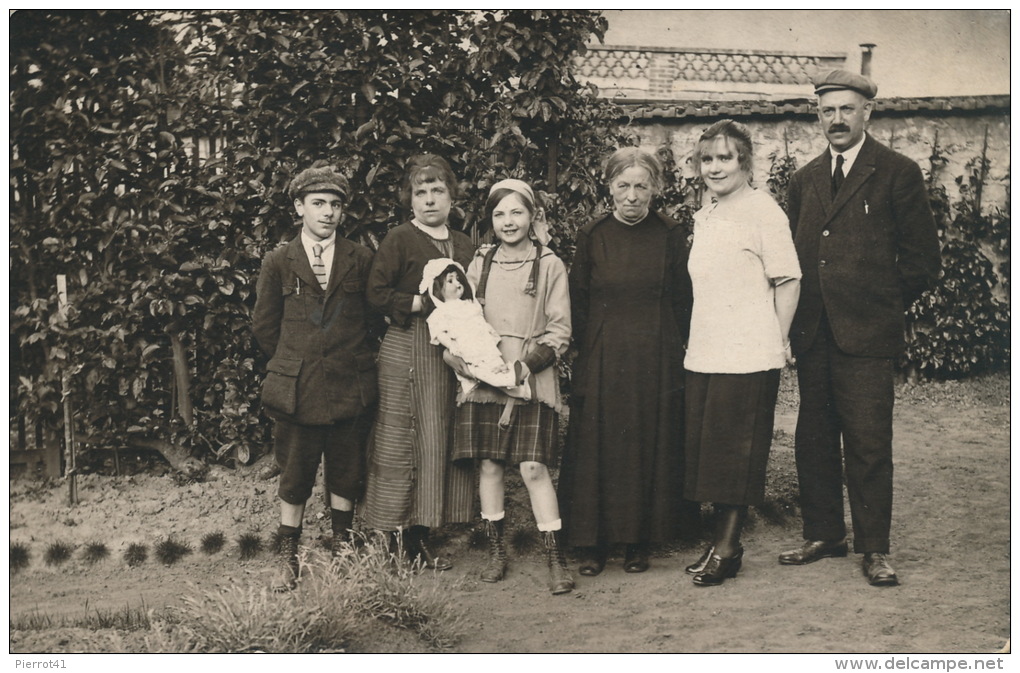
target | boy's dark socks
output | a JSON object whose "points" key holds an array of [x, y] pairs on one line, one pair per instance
{"points": [[341, 520], [288, 531]]}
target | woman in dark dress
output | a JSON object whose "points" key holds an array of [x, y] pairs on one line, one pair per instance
{"points": [[631, 302], [412, 486]]}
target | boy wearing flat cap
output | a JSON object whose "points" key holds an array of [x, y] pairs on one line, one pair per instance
{"points": [[312, 320], [868, 248]]}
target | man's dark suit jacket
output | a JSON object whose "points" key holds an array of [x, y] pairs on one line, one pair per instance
{"points": [[322, 350], [865, 256]]}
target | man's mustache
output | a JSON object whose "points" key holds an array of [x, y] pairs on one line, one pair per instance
{"points": [[839, 128]]}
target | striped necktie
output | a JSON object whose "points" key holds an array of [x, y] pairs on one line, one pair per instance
{"points": [[837, 175], [318, 266]]}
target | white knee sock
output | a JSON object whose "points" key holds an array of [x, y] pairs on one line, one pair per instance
{"points": [[550, 526]]}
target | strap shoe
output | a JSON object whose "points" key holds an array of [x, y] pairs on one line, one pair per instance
{"points": [[700, 564], [719, 569]]}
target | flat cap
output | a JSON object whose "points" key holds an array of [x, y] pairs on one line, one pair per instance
{"points": [[835, 80], [319, 179]]}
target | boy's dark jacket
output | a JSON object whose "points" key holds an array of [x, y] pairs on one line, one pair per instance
{"points": [[321, 344]]}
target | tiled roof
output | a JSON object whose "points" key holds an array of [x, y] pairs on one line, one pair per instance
{"points": [[806, 107], [654, 72], [707, 65]]}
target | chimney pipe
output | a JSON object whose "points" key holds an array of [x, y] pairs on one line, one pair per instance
{"points": [[866, 48]]}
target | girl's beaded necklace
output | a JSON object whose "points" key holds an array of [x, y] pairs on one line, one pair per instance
{"points": [[506, 264]]}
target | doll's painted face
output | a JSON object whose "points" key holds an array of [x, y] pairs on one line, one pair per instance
{"points": [[453, 289]]}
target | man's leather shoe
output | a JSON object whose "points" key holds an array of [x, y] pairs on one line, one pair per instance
{"points": [[878, 571], [812, 551]]}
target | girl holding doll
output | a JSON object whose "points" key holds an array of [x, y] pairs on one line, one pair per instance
{"points": [[522, 286]]}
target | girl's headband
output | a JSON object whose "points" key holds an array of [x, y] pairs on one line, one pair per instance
{"points": [[519, 186]]}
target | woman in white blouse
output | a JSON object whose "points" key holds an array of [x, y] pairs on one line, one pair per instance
{"points": [[746, 281]]}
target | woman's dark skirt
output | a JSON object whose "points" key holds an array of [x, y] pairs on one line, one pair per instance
{"points": [[729, 433]]}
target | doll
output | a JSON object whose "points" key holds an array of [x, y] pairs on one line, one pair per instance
{"points": [[458, 325]]}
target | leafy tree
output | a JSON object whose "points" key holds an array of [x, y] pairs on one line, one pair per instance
{"points": [[150, 155], [151, 151]]}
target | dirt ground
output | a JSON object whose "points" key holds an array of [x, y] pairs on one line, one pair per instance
{"points": [[951, 548]]}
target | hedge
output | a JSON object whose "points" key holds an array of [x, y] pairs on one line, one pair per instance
{"points": [[150, 154]]}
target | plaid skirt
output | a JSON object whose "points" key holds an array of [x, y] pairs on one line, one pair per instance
{"points": [[532, 434]]}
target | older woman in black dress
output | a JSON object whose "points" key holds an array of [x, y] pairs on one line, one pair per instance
{"points": [[631, 301], [412, 485]]}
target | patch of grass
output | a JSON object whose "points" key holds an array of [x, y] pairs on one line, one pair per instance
{"points": [[136, 554], [20, 557], [212, 543], [338, 604], [95, 552], [249, 545], [57, 553], [238, 619], [523, 541], [393, 593], [170, 550], [125, 619], [34, 621]]}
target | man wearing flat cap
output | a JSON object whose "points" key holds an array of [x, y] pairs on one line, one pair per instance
{"points": [[313, 321], [868, 248]]}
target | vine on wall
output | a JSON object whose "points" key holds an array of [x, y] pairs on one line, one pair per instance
{"points": [[961, 326], [781, 169]]}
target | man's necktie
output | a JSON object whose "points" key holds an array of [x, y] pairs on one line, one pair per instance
{"points": [[318, 266], [837, 175]]}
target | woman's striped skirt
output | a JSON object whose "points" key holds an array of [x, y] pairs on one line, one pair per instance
{"points": [[411, 479]]}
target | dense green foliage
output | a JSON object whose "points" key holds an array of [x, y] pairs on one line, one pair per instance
{"points": [[961, 326], [150, 154], [151, 151]]}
